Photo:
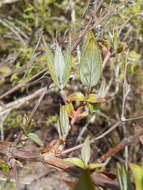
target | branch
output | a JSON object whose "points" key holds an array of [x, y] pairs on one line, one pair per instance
{"points": [[120, 146]]}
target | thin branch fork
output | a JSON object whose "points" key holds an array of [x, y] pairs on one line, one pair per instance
{"points": [[7, 148], [11, 151], [94, 139]]}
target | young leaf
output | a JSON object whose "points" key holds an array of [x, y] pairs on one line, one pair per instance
{"points": [[93, 166], [78, 114], [69, 108], [92, 98], [35, 138], [138, 175], [76, 161], [91, 62], [85, 152], [77, 96], [64, 121]]}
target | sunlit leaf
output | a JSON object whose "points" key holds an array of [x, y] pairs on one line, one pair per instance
{"points": [[64, 121], [59, 65], [50, 63], [69, 108], [91, 62], [92, 98], [138, 175], [35, 138], [68, 60], [77, 96], [93, 166], [76, 161], [85, 152]]}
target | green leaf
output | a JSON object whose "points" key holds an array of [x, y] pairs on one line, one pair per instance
{"points": [[59, 66], [92, 98], [68, 62], [64, 121], [35, 138], [77, 96], [76, 161], [85, 181], [123, 178], [50, 63], [138, 175], [69, 108], [91, 62], [93, 166], [85, 152], [93, 107]]}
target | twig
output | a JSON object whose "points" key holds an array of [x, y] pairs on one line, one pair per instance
{"points": [[94, 139], [134, 118], [17, 103], [22, 84], [120, 146], [6, 24], [33, 55], [37, 104], [86, 29], [90, 25]]}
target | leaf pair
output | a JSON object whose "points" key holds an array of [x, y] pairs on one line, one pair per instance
{"points": [[92, 98], [84, 162], [92, 101], [59, 65]]}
